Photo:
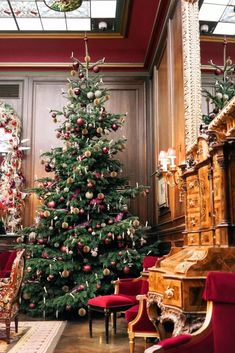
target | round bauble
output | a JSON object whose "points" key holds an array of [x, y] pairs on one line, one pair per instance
{"points": [[126, 269], [99, 130], [107, 241], [46, 214], [20, 240], [81, 312], [80, 121], [100, 196], [136, 223], [32, 305], [106, 272], [113, 174], [64, 225], [114, 127], [86, 268], [65, 289], [87, 154], [29, 269], [98, 94], [86, 249], [47, 168], [51, 204], [68, 307], [96, 69], [94, 253], [113, 263], [85, 131], [69, 180], [218, 72], [81, 75], [105, 150], [81, 211], [89, 195], [77, 91], [90, 95], [65, 274], [63, 248]]}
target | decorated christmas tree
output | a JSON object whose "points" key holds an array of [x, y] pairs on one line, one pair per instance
{"points": [[85, 235], [224, 87], [11, 177]]}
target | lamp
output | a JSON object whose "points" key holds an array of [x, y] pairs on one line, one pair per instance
{"points": [[63, 5], [168, 169]]}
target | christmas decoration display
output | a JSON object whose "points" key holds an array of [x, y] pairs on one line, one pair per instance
{"points": [[11, 178], [224, 88], [84, 236]]}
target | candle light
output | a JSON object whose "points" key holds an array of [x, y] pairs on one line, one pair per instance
{"points": [[172, 156], [163, 160]]}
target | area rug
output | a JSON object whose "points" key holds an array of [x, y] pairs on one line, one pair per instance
{"points": [[32, 337]]}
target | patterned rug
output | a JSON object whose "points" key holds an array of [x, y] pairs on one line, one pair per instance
{"points": [[32, 337]]}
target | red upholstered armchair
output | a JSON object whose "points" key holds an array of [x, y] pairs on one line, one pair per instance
{"points": [[9, 293], [218, 331], [124, 297]]}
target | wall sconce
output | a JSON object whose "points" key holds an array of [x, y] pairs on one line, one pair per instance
{"points": [[168, 169]]}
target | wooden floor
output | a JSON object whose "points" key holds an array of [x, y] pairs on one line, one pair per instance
{"points": [[75, 338]]}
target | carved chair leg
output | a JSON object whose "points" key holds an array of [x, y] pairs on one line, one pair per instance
{"points": [[16, 323], [106, 319], [90, 321], [8, 324], [115, 322], [131, 343]]}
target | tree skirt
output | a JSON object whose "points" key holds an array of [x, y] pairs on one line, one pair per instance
{"points": [[32, 336]]}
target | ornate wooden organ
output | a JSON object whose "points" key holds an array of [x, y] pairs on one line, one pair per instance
{"points": [[176, 284]]}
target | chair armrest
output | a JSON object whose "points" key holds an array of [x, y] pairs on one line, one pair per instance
{"points": [[170, 343], [128, 286]]}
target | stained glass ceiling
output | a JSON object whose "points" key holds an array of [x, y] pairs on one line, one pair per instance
{"points": [[34, 16]]}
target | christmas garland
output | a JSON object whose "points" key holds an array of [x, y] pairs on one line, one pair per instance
{"points": [[11, 178]]}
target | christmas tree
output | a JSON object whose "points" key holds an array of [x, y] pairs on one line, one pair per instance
{"points": [[224, 88], [11, 177], [85, 236]]}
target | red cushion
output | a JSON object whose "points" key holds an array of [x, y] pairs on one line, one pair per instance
{"points": [[130, 287], [9, 258], [131, 313], [149, 261], [175, 341], [112, 301], [220, 287]]}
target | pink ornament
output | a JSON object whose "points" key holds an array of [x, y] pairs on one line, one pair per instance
{"points": [[80, 121], [51, 204], [105, 150]]}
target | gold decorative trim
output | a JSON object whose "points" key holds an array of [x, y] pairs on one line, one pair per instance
{"points": [[192, 70], [65, 65]]}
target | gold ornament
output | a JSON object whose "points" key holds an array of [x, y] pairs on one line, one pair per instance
{"points": [[81, 312], [87, 154], [46, 214], [84, 131], [69, 180], [99, 130], [106, 272], [86, 249], [64, 225], [65, 274], [26, 296], [100, 196], [113, 174], [136, 223]]}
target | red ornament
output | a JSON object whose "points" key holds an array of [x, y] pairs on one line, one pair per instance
{"points": [[105, 150], [126, 270], [86, 268], [47, 168], [96, 69], [53, 115], [107, 241], [114, 127], [51, 204], [80, 121], [113, 263], [218, 72], [32, 305], [81, 75], [77, 91]]}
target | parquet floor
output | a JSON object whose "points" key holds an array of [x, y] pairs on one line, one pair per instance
{"points": [[75, 338]]}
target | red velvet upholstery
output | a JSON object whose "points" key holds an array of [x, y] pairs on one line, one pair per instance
{"points": [[6, 261], [218, 332], [9, 293], [149, 261], [112, 301]]}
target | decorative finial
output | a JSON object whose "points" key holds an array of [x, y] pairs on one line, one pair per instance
{"points": [[87, 65]]}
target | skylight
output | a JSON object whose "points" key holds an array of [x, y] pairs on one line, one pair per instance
{"points": [[217, 17], [34, 16]]}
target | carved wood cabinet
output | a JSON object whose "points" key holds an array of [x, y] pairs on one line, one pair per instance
{"points": [[176, 285]]}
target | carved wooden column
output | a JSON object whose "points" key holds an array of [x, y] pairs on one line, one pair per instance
{"points": [[192, 70]]}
